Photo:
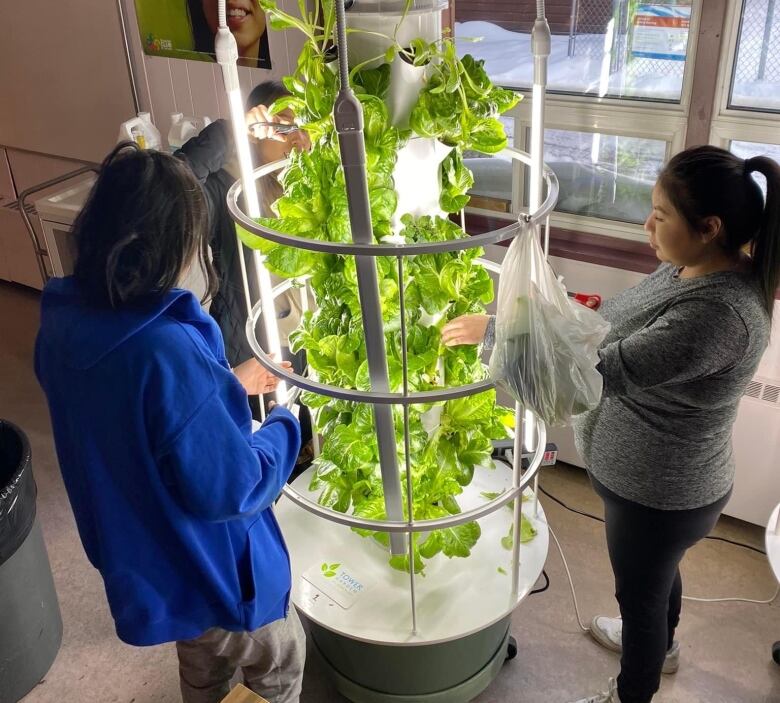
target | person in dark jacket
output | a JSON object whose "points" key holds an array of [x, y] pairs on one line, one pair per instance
{"points": [[211, 157], [171, 488], [684, 345]]}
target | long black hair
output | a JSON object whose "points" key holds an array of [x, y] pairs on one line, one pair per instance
{"points": [[145, 221], [266, 93], [707, 181]]}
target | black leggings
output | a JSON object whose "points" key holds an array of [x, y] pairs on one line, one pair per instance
{"points": [[646, 546]]}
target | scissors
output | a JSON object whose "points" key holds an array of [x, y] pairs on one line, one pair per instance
{"points": [[276, 126]]}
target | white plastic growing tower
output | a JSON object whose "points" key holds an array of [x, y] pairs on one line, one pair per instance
{"points": [[401, 615]]}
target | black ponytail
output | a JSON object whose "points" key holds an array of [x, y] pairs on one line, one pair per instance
{"points": [[707, 181], [766, 244]]}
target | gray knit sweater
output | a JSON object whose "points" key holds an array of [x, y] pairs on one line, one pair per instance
{"points": [[675, 365]]}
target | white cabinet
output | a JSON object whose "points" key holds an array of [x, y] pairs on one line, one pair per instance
{"points": [[18, 263], [57, 213]]}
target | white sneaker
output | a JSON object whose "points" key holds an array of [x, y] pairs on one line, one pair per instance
{"points": [[609, 696], [608, 632]]}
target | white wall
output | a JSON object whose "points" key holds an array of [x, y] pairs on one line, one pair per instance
{"points": [[63, 77]]}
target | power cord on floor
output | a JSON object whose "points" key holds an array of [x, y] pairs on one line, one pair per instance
{"points": [[542, 589], [735, 600], [687, 598], [571, 581], [714, 538]]}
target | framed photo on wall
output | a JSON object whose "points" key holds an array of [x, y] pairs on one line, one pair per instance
{"points": [[185, 29]]}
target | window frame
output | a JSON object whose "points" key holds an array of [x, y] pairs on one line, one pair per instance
{"points": [[744, 123], [728, 66], [652, 119]]}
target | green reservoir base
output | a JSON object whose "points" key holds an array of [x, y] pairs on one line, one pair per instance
{"points": [[452, 672]]}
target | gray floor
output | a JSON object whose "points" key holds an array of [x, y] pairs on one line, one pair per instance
{"points": [[725, 646]]}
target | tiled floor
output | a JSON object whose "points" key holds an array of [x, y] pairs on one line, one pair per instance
{"points": [[726, 647]]}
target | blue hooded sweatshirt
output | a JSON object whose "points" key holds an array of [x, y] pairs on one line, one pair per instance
{"points": [[171, 490]]}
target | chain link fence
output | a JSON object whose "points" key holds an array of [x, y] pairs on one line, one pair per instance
{"points": [[601, 26], [759, 45]]}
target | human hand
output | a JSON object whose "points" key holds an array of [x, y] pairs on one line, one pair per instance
{"points": [[255, 379], [466, 329], [261, 131]]}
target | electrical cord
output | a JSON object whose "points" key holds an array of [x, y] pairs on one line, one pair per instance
{"points": [[735, 600], [714, 538], [542, 589], [583, 513], [569, 508], [758, 550], [571, 581]]}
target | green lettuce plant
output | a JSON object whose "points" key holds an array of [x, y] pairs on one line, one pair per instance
{"points": [[460, 107]]}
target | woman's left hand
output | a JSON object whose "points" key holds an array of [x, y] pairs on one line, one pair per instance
{"points": [[466, 329], [255, 379]]}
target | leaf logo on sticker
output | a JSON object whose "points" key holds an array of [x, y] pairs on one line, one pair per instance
{"points": [[329, 570]]}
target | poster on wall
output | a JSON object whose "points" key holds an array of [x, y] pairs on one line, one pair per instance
{"points": [[661, 32], [185, 29]]}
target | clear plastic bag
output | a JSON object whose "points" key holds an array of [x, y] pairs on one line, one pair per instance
{"points": [[546, 347]]}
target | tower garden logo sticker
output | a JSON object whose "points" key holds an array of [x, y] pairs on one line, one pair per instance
{"points": [[330, 570]]}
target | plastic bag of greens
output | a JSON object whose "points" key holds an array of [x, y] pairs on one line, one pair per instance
{"points": [[546, 347]]}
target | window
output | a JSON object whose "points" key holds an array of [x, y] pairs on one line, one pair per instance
{"points": [[602, 48], [492, 188], [756, 74], [619, 80], [604, 175], [748, 122], [746, 150]]}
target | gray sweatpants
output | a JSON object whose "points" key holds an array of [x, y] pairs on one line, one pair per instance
{"points": [[271, 659]]}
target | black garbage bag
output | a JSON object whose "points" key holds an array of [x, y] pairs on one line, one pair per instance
{"points": [[18, 491]]}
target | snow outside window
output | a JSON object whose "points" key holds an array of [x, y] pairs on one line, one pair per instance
{"points": [[747, 150], [602, 48], [604, 175], [756, 78]]}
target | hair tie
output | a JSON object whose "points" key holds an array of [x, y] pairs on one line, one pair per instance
{"points": [[749, 166]]}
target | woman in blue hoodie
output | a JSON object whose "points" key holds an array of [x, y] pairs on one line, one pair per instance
{"points": [[171, 489]]}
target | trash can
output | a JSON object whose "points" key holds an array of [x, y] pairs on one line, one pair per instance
{"points": [[30, 621]]}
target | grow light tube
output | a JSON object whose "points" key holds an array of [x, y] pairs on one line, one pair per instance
{"points": [[226, 50]]}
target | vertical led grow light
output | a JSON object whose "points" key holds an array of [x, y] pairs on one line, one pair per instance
{"points": [[226, 50]]}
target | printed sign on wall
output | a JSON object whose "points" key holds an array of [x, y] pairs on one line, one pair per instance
{"points": [[661, 32], [185, 29]]}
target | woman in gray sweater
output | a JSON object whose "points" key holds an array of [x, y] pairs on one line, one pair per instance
{"points": [[683, 346]]}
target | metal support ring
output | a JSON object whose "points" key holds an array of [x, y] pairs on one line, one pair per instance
{"points": [[352, 394], [439, 523], [395, 250]]}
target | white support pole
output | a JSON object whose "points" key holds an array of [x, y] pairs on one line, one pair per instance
{"points": [[541, 46], [227, 57], [517, 475]]}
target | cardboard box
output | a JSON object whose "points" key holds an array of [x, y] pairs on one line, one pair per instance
{"points": [[241, 694]]}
